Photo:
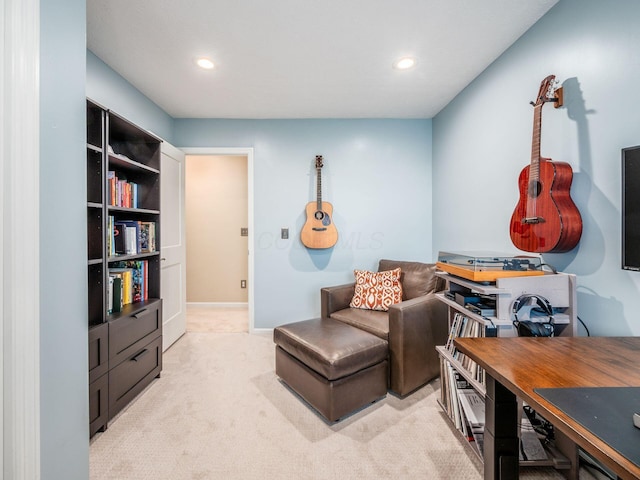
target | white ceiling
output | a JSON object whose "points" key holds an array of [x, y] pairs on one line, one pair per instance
{"points": [[304, 58]]}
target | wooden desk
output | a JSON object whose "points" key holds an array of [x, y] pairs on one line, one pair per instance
{"points": [[516, 366]]}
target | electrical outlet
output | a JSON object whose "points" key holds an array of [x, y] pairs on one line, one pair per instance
{"points": [[244, 232], [284, 233], [243, 284]]}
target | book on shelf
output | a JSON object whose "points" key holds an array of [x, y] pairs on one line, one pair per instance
{"points": [[130, 237], [121, 193], [463, 326], [118, 235], [147, 237], [452, 402], [139, 269], [110, 295], [472, 405], [109, 236], [466, 410], [116, 298], [126, 276], [463, 404], [111, 187]]}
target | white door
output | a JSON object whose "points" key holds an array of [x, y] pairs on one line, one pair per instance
{"points": [[173, 239]]}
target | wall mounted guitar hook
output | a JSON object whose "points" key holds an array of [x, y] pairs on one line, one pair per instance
{"points": [[552, 94]]}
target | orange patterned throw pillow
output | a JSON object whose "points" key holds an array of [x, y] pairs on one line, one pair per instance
{"points": [[376, 290]]}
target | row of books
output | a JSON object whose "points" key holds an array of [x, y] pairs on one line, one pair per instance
{"points": [[464, 406], [463, 326], [130, 237], [466, 409], [128, 283], [122, 193]]}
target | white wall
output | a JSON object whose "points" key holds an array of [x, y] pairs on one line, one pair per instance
{"points": [[483, 139]]}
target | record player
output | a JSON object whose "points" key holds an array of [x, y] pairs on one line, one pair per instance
{"points": [[487, 267]]}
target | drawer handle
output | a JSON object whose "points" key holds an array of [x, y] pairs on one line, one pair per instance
{"points": [[139, 355], [135, 315]]}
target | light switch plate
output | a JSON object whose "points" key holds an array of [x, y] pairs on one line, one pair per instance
{"points": [[284, 233]]}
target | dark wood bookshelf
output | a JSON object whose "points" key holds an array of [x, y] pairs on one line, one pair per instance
{"points": [[125, 348]]}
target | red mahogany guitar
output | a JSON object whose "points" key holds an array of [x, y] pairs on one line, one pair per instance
{"points": [[545, 219]]}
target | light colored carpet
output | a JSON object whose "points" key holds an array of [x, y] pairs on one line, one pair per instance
{"points": [[220, 412], [217, 319]]}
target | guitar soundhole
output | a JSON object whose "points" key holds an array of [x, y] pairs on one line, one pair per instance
{"points": [[535, 188], [319, 215]]}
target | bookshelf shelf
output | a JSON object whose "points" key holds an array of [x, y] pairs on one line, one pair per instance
{"points": [[121, 258], [458, 372], [124, 304], [112, 208], [126, 163]]}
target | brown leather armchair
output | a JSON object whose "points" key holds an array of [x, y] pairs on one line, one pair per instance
{"points": [[412, 327]]}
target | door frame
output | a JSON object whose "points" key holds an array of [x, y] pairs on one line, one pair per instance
{"points": [[244, 152], [19, 239]]}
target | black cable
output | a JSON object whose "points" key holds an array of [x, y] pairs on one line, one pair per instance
{"points": [[584, 325], [551, 267]]}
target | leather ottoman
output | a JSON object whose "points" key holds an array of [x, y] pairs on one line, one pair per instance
{"points": [[335, 367]]}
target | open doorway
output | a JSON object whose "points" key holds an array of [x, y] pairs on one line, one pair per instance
{"points": [[219, 221]]}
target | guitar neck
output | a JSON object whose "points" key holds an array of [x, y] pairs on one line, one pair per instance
{"points": [[534, 170], [318, 189]]}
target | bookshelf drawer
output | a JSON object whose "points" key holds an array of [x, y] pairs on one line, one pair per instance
{"points": [[138, 326], [98, 404], [132, 375], [98, 351]]}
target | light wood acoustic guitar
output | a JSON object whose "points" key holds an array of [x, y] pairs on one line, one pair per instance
{"points": [[319, 231], [545, 218]]}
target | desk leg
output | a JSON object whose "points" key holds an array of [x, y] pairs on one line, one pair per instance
{"points": [[569, 449], [501, 443]]}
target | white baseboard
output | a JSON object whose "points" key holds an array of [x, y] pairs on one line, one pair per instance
{"points": [[261, 331], [218, 304]]}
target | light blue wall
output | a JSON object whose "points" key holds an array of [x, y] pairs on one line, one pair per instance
{"points": [[108, 88], [377, 175], [483, 139], [64, 410]]}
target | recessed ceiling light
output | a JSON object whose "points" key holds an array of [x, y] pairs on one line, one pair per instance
{"points": [[404, 63], [205, 63]]}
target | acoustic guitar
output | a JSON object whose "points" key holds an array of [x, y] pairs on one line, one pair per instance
{"points": [[545, 219], [319, 230]]}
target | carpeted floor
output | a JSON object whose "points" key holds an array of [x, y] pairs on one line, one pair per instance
{"points": [[217, 319], [219, 412]]}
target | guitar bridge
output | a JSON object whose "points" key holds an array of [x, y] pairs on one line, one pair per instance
{"points": [[532, 220], [316, 229]]}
